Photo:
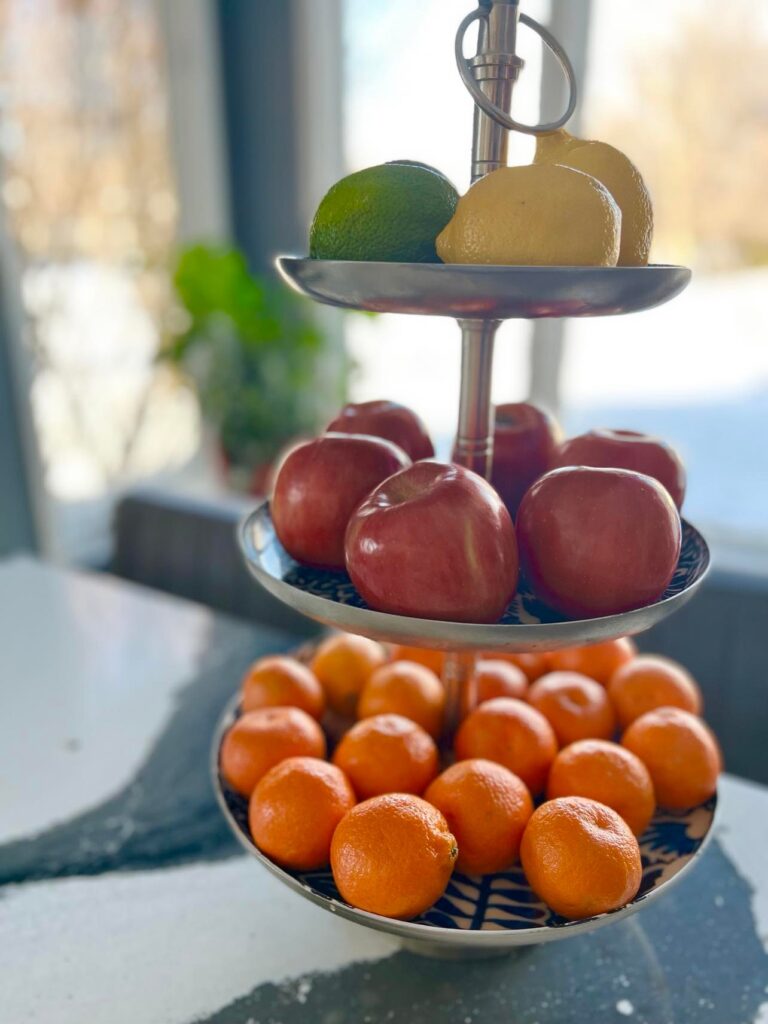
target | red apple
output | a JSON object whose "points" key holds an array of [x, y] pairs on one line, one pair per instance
{"points": [[598, 541], [319, 486], [389, 420], [627, 449], [525, 441], [434, 541]]}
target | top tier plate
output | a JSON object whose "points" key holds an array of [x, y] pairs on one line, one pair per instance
{"points": [[483, 292]]}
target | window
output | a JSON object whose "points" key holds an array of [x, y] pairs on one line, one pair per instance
{"points": [[681, 88], [90, 204]]}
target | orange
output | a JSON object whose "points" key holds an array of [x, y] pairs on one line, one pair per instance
{"points": [[534, 665], [496, 678], [576, 707], [511, 733], [343, 663], [282, 682], [598, 661], [580, 857], [421, 655], [387, 754], [405, 688], [680, 753], [487, 809], [393, 855], [294, 811], [651, 682], [261, 739], [608, 773]]}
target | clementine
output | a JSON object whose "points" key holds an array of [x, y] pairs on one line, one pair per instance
{"points": [[408, 689], [258, 740], [421, 655], [282, 682], [494, 677], [598, 661], [680, 753], [343, 663], [294, 811], [649, 682], [532, 663], [487, 809], [606, 772], [393, 855], [387, 754], [576, 707], [512, 733], [580, 857]]}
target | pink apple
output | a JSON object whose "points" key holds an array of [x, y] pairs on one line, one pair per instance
{"points": [[598, 541], [320, 484], [434, 541], [525, 440], [389, 420], [627, 449]]}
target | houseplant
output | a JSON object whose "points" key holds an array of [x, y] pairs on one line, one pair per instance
{"points": [[256, 357]]}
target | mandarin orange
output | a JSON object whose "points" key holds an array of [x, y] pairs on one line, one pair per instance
{"points": [[648, 682], [598, 661], [608, 773], [278, 681], [344, 663], [681, 754], [576, 707], [487, 809], [393, 855], [405, 688], [580, 857], [294, 810], [258, 740], [513, 734], [387, 754]]}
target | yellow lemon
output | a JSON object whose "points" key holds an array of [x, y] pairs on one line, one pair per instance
{"points": [[622, 179], [534, 215]]}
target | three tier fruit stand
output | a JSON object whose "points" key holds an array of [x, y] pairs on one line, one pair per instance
{"points": [[498, 912]]}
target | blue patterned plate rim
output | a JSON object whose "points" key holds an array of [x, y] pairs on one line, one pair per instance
{"points": [[668, 836], [330, 598]]}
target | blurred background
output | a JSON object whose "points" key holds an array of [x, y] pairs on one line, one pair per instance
{"points": [[156, 154]]}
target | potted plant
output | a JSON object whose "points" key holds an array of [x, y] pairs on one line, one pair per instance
{"points": [[253, 354]]}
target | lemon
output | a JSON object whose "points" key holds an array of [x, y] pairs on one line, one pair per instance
{"points": [[534, 215], [390, 212], [622, 179]]}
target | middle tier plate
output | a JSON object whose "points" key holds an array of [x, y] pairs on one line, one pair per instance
{"points": [[527, 625], [483, 292]]}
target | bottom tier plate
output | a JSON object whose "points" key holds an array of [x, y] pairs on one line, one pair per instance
{"points": [[527, 625], [483, 915]]}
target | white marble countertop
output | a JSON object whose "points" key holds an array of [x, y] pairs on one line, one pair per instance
{"points": [[123, 898]]}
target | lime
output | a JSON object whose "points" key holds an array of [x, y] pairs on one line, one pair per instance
{"points": [[392, 212]]}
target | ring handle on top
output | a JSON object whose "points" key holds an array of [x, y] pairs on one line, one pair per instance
{"points": [[500, 116]]}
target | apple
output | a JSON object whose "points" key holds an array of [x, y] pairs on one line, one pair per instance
{"points": [[318, 487], [389, 420], [627, 449], [598, 541], [434, 541], [525, 441]]}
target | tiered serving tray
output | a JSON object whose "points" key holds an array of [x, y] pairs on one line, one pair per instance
{"points": [[492, 914], [483, 292]]}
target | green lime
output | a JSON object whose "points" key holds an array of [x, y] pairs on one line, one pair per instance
{"points": [[392, 212]]}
